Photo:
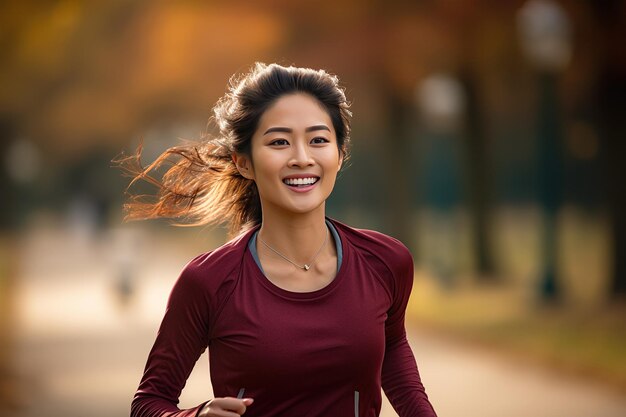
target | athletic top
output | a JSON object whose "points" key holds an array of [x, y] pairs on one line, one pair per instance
{"points": [[320, 353]]}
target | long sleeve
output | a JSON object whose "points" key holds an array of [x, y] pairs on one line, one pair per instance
{"points": [[182, 337], [400, 377]]}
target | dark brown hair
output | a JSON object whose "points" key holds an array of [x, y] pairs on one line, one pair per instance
{"points": [[203, 186]]}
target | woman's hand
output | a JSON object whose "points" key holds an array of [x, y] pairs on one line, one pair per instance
{"points": [[225, 407]]}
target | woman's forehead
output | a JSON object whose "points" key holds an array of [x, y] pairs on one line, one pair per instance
{"points": [[295, 111]]}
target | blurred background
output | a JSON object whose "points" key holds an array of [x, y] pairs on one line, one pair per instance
{"points": [[489, 136]]}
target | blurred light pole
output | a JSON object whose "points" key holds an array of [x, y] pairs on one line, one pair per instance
{"points": [[545, 35], [441, 103]]}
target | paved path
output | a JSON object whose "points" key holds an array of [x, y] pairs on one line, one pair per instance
{"points": [[80, 352]]}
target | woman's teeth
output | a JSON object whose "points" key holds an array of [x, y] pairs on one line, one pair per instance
{"points": [[300, 181]]}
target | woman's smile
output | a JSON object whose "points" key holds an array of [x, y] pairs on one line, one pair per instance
{"points": [[301, 183]]}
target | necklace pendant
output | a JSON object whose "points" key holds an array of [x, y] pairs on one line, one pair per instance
{"points": [[306, 267]]}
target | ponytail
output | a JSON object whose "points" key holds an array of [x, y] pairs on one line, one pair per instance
{"points": [[202, 187]]}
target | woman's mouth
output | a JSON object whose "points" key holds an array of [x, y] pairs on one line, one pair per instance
{"points": [[301, 182]]}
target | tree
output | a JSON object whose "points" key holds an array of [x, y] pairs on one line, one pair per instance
{"points": [[611, 93]]}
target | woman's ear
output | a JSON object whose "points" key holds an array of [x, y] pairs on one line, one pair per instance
{"points": [[244, 165]]}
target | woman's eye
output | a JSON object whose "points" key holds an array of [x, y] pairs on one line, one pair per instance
{"points": [[319, 140], [279, 142]]}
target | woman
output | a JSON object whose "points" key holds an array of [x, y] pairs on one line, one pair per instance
{"points": [[302, 315]]}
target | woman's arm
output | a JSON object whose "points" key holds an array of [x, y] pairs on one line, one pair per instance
{"points": [[401, 382], [400, 377], [182, 337]]}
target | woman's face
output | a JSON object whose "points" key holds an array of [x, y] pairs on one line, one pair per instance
{"points": [[294, 156]]}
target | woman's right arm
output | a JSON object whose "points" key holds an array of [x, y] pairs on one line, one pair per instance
{"points": [[182, 337]]}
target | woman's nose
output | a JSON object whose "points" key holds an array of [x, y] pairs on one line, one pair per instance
{"points": [[300, 156]]}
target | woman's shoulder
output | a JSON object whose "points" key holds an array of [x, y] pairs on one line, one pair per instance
{"points": [[210, 269]]}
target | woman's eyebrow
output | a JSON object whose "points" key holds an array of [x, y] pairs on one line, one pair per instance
{"points": [[278, 129], [316, 127], [289, 130]]}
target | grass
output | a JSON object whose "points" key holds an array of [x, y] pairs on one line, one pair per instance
{"points": [[587, 342]]}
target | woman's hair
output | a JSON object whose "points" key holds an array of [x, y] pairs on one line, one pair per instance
{"points": [[203, 186]]}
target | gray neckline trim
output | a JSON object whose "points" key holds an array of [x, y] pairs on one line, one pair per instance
{"points": [[333, 231]]}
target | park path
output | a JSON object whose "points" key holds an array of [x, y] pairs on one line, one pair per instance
{"points": [[80, 348]]}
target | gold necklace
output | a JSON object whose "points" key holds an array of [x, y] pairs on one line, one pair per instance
{"points": [[305, 267]]}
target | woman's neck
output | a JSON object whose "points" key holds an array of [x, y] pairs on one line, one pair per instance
{"points": [[298, 237]]}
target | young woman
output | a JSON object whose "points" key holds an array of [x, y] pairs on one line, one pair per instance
{"points": [[302, 315]]}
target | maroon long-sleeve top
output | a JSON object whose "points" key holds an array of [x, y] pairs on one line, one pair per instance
{"points": [[321, 353]]}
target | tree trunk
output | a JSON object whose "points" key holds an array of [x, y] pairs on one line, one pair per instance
{"points": [[611, 92], [478, 172], [612, 113]]}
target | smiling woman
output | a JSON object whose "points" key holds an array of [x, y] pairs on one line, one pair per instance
{"points": [[311, 321]]}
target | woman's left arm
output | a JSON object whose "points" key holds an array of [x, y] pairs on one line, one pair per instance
{"points": [[400, 377]]}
